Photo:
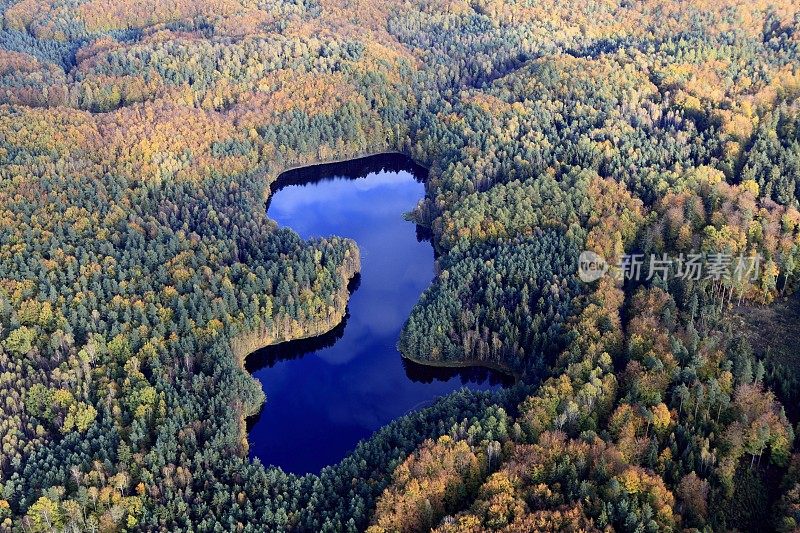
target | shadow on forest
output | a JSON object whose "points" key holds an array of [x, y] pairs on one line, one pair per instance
{"points": [[472, 374]]}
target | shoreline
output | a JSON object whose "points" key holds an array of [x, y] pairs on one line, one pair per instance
{"points": [[274, 177], [246, 344], [350, 159]]}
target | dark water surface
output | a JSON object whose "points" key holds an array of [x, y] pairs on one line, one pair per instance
{"points": [[327, 393]]}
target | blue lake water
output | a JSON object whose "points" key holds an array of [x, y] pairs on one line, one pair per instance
{"points": [[327, 393]]}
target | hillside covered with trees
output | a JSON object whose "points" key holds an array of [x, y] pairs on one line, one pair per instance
{"points": [[138, 268]]}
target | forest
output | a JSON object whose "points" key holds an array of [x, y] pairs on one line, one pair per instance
{"points": [[138, 145]]}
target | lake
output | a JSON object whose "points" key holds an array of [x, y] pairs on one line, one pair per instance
{"points": [[327, 393]]}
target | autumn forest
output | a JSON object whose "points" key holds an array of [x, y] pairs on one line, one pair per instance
{"points": [[139, 142]]}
